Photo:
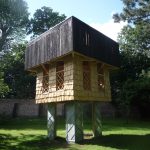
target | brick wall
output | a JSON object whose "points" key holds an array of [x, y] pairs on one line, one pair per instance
{"points": [[6, 107], [18, 108], [25, 108], [28, 108]]}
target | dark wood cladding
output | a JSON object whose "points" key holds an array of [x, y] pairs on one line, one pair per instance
{"points": [[92, 43], [71, 35], [51, 44]]}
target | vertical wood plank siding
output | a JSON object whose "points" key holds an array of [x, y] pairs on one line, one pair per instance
{"points": [[71, 35], [92, 43], [51, 44]]}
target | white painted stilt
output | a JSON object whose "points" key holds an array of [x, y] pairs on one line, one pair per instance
{"points": [[51, 121], [97, 126], [74, 122]]}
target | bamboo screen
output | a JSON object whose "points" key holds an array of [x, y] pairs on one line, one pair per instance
{"points": [[59, 75], [100, 72], [73, 78], [45, 80], [58, 86], [86, 75], [91, 80]]}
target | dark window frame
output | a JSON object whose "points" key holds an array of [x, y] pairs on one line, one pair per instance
{"points": [[45, 79], [59, 75], [100, 77], [86, 75]]}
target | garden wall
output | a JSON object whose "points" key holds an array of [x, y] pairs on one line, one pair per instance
{"points": [[17, 108], [28, 108], [25, 108]]}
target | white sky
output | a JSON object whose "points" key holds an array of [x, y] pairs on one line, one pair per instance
{"points": [[109, 28], [96, 13]]}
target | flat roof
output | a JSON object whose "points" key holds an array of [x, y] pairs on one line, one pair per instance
{"points": [[71, 35]]}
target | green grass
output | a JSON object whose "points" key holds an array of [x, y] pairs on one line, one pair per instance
{"points": [[30, 134]]}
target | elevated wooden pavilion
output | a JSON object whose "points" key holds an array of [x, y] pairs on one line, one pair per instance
{"points": [[72, 63]]}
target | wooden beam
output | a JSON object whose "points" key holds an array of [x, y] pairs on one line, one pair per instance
{"points": [[44, 68]]}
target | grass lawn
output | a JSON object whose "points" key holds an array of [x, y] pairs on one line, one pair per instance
{"points": [[30, 134]]}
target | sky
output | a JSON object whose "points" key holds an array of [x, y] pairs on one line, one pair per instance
{"points": [[96, 13]]}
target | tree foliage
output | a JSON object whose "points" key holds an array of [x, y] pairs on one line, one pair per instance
{"points": [[134, 39], [3, 87], [13, 19], [136, 36], [15, 82], [135, 93], [134, 42], [134, 11], [43, 19], [20, 82]]}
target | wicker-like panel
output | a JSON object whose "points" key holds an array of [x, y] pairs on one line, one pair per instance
{"points": [[59, 80], [86, 75]]}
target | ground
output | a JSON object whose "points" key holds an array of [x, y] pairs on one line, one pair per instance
{"points": [[30, 134]]}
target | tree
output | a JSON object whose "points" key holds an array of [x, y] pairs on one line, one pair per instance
{"points": [[3, 87], [19, 81], [13, 20], [134, 39], [42, 20], [135, 93], [134, 42], [134, 11], [137, 14], [16, 82]]}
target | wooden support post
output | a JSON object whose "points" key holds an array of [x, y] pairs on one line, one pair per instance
{"points": [[45, 68], [74, 122], [51, 120], [96, 119]]}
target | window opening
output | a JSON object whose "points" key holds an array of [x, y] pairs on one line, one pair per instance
{"points": [[59, 75], [45, 80], [87, 39], [100, 72], [86, 76]]}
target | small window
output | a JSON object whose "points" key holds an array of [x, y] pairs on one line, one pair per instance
{"points": [[100, 72], [59, 75], [87, 39], [86, 76], [45, 81]]}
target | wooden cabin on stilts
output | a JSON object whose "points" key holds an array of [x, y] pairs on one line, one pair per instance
{"points": [[72, 63]]}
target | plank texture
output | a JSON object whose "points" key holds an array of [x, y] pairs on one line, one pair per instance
{"points": [[68, 36]]}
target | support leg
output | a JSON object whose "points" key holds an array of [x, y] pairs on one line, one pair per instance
{"points": [[51, 121], [97, 126], [74, 122]]}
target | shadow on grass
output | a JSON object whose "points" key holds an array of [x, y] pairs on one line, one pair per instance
{"points": [[23, 123], [118, 141], [129, 142], [41, 124], [5, 141], [32, 142], [41, 143], [28, 123]]}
